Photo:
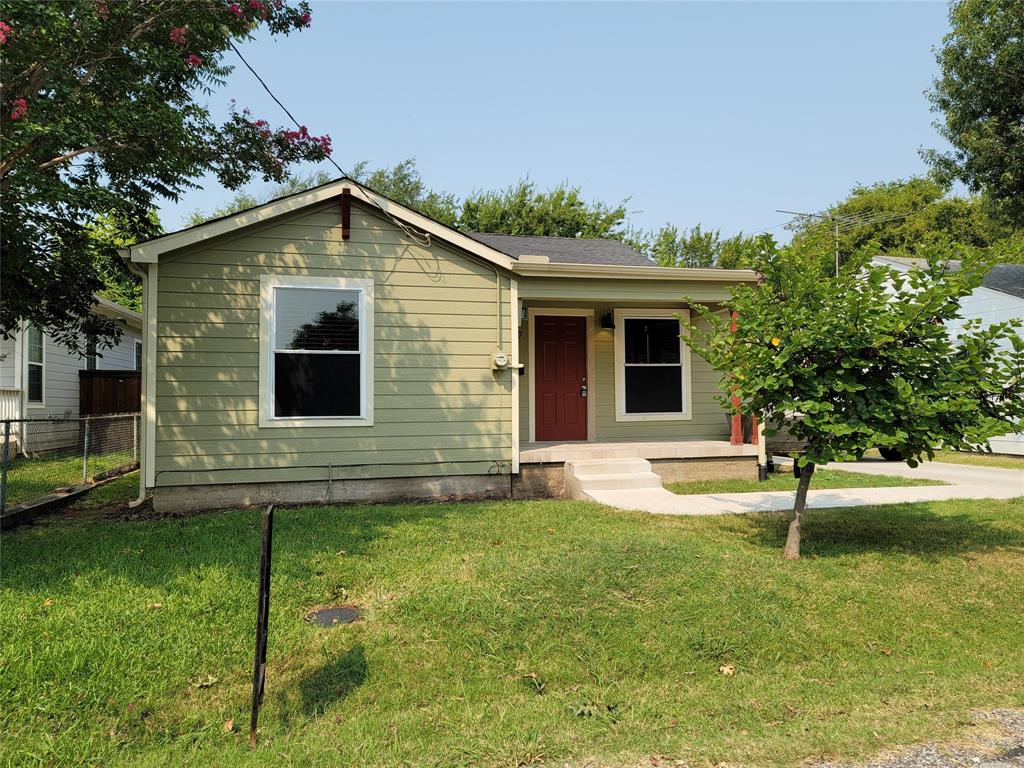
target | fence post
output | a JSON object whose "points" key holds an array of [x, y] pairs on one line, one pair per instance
{"points": [[85, 453], [3, 466]]}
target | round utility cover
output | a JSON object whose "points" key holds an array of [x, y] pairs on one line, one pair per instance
{"points": [[332, 615]]}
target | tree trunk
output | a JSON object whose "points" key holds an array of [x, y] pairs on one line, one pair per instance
{"points": [[792, 550]]}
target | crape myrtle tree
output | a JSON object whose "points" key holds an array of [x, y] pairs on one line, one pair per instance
{"points": [[862, 360], [100, 118]]}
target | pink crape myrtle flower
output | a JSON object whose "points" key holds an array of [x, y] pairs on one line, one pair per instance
{"points": [[235, 10], [255, 4], [179, 35], [194, 61], [306, 19], [18, 109], [5, 31]]}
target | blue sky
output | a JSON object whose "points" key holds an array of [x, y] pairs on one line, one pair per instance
{"points": [[716, 113]]}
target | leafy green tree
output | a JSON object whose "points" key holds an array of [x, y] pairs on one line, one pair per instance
{"points": [[105, 237], [902, 217], [245, 199], [521, 209], [99, 116], [978, 92], [694, 247], [404, 184], [864, 359]]}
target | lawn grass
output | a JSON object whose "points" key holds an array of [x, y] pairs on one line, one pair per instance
{"points": [[784, 481], [977, 459], [509, 633], [113, 494], [981, 459], [31, 478]]}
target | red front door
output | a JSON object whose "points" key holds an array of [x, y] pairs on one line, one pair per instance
{"points": [[560, 381]]}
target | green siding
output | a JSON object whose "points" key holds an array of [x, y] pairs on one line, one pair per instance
{"points": [[709, 419], [438, 407]]}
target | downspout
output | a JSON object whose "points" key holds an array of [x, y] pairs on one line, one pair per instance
{"points": [[142, 270]]}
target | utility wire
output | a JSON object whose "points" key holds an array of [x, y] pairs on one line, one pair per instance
{"points": [[423, 238]]}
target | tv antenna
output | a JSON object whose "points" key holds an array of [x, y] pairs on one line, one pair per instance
{"points": [[842, 222]]}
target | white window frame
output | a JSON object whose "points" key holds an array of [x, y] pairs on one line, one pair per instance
{"points": [[621, 315], [42, 367], [139, 357], [92, 359], [268, 287]]}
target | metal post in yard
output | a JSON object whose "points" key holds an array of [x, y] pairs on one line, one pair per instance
{"points": [[135, 438], [85, 453], [3, 466], [259, 667]]}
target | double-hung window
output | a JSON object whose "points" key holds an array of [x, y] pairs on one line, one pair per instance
{"points": [[316, 351], [138, 355], [652, 366], [90, 355], [35, 364]]}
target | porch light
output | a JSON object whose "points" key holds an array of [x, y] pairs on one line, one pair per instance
{"points": [[608, 321]]}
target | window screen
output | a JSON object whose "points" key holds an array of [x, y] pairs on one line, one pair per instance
{"points": [[316, 350], [653, 366]]}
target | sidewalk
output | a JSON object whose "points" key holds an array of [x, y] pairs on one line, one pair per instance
{"points": [[965, 482]]}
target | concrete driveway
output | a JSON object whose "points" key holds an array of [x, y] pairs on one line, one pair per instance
{"points": [[964, 482]]}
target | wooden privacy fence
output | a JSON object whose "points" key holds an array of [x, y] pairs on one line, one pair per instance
{"points": [[103, 392]]}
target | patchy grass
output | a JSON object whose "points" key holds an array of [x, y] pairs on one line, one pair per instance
{"points": [[31, 478], [784, 481], [111, 496], [976, 459], [981, 459], [509, 633]]}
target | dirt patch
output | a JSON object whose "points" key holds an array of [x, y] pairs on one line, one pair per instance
{"points": [[998, 744]]}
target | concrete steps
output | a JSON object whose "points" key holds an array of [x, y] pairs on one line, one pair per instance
{"points": [[586, 475]]}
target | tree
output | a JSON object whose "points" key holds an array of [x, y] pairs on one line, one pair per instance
{"points": [[521, 210], [978, 93], [99, 117], [864, 359], [694, 247], [901, 217], [517, 210]]}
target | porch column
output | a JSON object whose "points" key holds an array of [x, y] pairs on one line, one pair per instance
{"points": [[736, 424]]}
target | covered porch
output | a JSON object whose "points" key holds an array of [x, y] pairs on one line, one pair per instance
{"points": [[606, 376]]}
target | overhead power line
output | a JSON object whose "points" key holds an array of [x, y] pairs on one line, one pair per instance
{"points": [[423, 238]]}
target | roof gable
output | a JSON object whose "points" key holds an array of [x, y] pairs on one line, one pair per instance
{"points": [[150, 251]]}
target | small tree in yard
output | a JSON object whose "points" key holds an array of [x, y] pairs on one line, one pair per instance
{"points": [[862, 360]]}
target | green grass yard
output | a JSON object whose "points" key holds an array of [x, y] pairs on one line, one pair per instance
{"points": [[29, 479], [784, 481], [1002, 461], [509, 633]]}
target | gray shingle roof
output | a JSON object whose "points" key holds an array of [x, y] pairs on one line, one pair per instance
{"points": [[1007, 278], [565, 250]]}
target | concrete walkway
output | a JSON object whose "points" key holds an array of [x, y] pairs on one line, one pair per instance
{"points": [[965, 482]]}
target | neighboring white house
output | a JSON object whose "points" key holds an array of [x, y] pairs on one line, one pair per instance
{"points": [[39, 376], [999, 298]]}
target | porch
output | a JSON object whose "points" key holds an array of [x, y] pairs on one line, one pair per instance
{"points": [[561, 452]]}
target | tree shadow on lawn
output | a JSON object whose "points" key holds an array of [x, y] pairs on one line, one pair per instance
{"points": [[332, 682], [913, 529], [156, 553]]}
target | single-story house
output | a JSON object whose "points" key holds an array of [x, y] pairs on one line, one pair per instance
{"points": [[40, 377], [999, 298], [334, 345]]}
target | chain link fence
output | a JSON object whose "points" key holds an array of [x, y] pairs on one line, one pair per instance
{"points": [[43, 456]]}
